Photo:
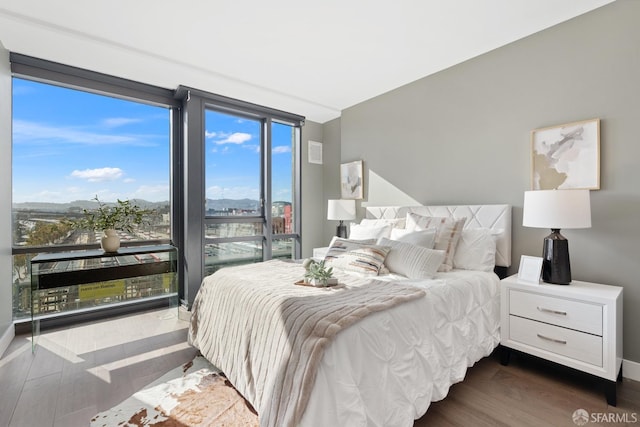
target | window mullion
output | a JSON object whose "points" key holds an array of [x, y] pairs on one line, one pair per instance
{"points": [[296, 198], [266, 190]]}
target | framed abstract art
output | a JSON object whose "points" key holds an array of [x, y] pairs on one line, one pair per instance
{"points": [[351, 180], [566, 156]]}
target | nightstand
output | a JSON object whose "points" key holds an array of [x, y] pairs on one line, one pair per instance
{"points": [[577, 325]]}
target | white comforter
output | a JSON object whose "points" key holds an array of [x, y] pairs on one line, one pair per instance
{"points": [[269, 335], [386, 369]]}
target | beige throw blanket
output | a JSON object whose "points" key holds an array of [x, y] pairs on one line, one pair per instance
{"points": [[268, 335]]}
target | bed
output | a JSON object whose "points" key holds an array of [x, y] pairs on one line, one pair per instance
{"points": [[379, 359]]}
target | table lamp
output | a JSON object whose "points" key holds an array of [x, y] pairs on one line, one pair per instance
{"points": [[341, 210], [556, 209]]}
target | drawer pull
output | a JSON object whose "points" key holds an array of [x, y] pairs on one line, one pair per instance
{"points": [[548, 310], [551, 339]]}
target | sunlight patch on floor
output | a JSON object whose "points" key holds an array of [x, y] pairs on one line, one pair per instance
{"points": [[129, 361]]}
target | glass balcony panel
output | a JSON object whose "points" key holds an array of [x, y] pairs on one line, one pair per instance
{"points": [[234, 229], [218, 255], [283, 249]]}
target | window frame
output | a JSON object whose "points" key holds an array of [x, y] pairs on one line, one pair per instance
{"points": [[53, 73], [48, 72], [187, 108], [195, 103]]}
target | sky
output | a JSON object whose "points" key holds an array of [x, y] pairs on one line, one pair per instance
{"points": [[232, 158], [72, 145]]}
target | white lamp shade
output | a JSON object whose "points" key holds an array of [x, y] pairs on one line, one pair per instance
{"points": [[557, 209], [341, 209]]}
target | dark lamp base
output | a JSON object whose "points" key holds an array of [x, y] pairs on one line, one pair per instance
{"points": [[341, 230], [555, 259]]}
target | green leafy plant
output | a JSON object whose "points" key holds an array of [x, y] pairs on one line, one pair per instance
{"points": [[316, 272], [122, 216]]}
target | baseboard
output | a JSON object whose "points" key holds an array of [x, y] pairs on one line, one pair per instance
{"points": [[6, 338], [631, 370]]}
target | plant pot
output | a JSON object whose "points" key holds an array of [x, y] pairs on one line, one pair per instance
{"points": [[110, 242], [316, 282]]}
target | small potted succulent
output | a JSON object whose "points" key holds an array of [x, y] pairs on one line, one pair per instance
{"points": [[317, 274]]}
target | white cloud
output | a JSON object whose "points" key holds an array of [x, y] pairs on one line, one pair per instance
{"points": [[154, 193], [100, 174], [253, 147], [235, 138], [281, 149], [119, 121], [26, 131]]}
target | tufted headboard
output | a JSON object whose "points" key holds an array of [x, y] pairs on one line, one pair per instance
{"points": [[495, 217]]}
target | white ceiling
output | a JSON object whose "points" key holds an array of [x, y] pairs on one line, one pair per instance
{"points": [[313, 58]]}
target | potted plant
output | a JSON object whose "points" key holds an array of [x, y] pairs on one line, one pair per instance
{"points": [[122, 216], [317, 274]]}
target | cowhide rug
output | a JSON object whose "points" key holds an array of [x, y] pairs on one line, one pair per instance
{"points": [[195, 394]]}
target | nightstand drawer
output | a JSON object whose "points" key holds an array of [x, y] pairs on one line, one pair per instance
{"points": [[580, 316], [566, 342]]}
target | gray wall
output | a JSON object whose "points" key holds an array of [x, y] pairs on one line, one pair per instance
{"points": [[331, 176], [6, 315], [312, 179], [319, 183], [463, 136]]}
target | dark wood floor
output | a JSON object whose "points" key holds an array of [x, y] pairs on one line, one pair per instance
{"points": [[530, 392], [80, 371]]}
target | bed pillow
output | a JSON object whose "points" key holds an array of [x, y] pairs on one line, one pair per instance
{"points": [[476, 250], [425, 238], [362, 241], [375, 222], [447, 234], [358, 257], [361, 232], [412, 261]]}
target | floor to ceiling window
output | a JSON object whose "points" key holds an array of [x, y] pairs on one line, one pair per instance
{"points": [[75, 145], [284, 205], [241, 173], [242, 184], [221, 175], [233, 197]]}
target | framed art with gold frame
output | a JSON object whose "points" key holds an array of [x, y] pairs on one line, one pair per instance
{"points": [[566, 156]]}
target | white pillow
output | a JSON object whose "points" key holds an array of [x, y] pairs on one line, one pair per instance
{"points": [[447, 236], [375, 222], [361, 242], [362, 232], [476, 250], [356, 256], [425, 238], [414, 262]]}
